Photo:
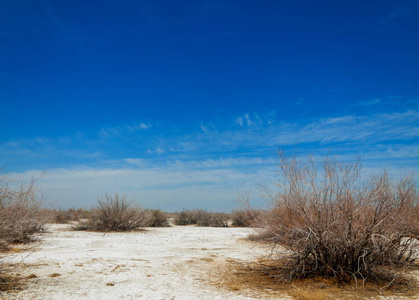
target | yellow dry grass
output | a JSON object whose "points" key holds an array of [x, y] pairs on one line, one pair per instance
{"points": [[261, 278]]}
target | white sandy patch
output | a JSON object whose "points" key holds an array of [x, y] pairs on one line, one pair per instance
{"points": [[160, 263]]}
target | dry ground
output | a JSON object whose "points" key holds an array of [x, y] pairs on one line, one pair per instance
{"points": [[158, 263]]}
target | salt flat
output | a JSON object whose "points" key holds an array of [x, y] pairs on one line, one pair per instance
{"points": [[158, 263]]}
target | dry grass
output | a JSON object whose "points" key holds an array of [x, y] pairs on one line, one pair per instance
{"points": [[310, 293], [9, 282], [263, 278]]}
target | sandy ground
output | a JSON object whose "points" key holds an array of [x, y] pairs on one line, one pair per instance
{"points": [[161, 263]]}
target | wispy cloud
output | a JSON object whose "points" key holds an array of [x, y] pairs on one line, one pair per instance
{"points": [[374, 101], [205, 168], [186, 163], [159, 150], [254, 119], [120, 131], [259, 136], [170, 185], [325, 132], [244, 121], [142, 126], [174, 184]]}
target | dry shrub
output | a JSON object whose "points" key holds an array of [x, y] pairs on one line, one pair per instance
{"points": [[210, 219], [336, 223], [158, 218], [70, 215], [20, 214], [246, 217], [185, 217], [201, 217], [116, 213]]}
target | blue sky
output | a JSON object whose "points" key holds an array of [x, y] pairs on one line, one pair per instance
{"points": [[184, 104]]}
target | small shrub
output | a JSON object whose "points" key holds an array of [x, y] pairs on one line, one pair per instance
{"points": [[333, 222], [115, 213], [61, 217], [70, 215], [81, 226], [186, 217], [158, 218], [20, 213], [212, 219], [201, 217], [245, 218], [20, 219]]}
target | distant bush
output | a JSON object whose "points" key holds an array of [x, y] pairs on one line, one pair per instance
{"points": [[185, 217], [213, 219], [333, 222], [20, 213], [116, 213], [158, 218], [246, 217], [201, 217], [69, 215]]}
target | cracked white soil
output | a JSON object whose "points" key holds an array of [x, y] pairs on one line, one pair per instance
{"points": [[158, 263]]}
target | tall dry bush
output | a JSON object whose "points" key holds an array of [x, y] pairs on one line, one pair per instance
{"points": [[335, 221], [20, 213], [116, 213]]}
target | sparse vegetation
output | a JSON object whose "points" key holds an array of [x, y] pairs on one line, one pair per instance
{"points": [[185, 217], [334, 222], [70, 215], [116, 213], [20, 220], [20, 214], [201, 217], [310, 294], [158, 218], [246, 217]]}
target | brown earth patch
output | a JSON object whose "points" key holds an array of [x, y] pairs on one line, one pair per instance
{"points": [[264, 278]]}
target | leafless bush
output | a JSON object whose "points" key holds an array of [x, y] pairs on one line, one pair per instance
{"points": [[213, 219], [201, 217], [116, 213], [20, 214], [246, 217], [69, 215], [185, 217], [158, 218], [334, 222]]}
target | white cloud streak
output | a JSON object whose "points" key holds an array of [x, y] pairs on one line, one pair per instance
{"points": [[328, 132], [207, 169], [122, 131], [172, 185], [390, 133]]}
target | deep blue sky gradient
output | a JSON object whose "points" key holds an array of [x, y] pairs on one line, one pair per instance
{"points": [[98, 85]]}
